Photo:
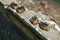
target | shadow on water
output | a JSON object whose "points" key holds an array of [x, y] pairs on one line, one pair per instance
{"points": [[9, 30]]}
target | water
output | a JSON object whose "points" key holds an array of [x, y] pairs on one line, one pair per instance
{"points": [[57, 1], [9, 30]]}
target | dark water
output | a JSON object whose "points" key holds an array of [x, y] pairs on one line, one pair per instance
{"points": [[8, 30], [57, 1]]}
